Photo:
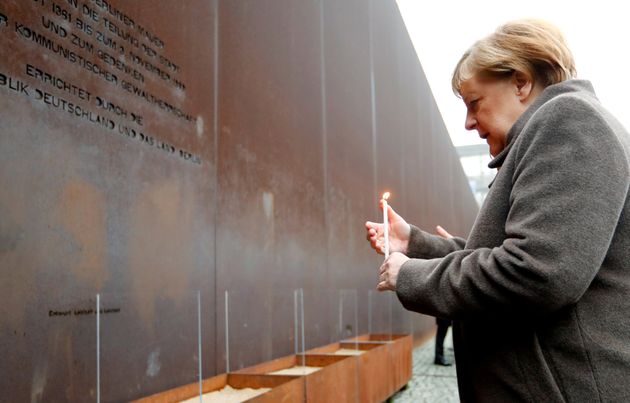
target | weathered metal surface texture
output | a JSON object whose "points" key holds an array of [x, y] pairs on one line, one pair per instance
{"points": [[103, 191], [270, 226], [348, 138], [351, 192], [322, 106], [390, 132], [270, 147]]}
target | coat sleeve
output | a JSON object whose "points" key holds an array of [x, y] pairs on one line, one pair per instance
{"points": [[569, 187], [428, 246]]}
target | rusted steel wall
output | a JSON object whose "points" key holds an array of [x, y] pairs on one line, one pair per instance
{"points": [[159, 154]]}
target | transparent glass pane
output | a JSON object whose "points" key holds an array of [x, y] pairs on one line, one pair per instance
{"points": [[330, 316], [348, 315], [148, 344], [261, 326], [322, 319], [380, 312]]}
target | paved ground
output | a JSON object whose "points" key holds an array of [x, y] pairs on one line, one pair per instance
{"points": [[430, 383]]}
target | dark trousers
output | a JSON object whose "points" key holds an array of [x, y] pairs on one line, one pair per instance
{"points": [[442, 328]]}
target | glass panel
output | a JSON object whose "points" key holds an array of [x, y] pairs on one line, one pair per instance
{"points": [[322, 319], [148, 343], [261, 326], [348, 315], [380, 311], [330, 316]]}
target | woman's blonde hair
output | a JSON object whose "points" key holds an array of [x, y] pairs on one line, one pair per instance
{"points": [[533, 47]]}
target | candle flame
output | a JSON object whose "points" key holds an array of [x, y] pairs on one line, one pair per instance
{"points": [[385, 195]]}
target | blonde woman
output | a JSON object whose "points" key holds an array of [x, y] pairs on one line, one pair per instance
{"points": [[540, 291]]}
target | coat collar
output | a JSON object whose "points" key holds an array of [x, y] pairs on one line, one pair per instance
{"points": [[548, 93]]}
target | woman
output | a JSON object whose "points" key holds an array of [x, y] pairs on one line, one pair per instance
{"points": [[540, 291]]}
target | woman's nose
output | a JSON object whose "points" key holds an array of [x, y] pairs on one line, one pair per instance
{"points": [[471, 122]]}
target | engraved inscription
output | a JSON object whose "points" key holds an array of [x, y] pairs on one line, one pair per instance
{"points": [[58, 83], [115, 49], [55, 28], [13, 84], [72, 57], [52, 313], [86, 114]]}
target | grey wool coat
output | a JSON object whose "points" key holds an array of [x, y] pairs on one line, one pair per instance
{"points": [[540, 291]]}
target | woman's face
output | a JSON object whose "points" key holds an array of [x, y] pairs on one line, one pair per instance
{"points": [[493, 106]]}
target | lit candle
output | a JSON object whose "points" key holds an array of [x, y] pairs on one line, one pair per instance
{"points": [[386, 224]]}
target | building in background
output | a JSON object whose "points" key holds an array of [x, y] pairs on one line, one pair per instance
{"points": [[474, 159]]}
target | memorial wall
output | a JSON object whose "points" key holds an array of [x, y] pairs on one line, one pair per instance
{"points": [[160, 158]]}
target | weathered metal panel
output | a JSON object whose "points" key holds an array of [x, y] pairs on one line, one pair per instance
{"points": [[106, 189], [271, 226], [128, 128]]}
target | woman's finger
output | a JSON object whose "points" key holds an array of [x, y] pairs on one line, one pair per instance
{"points": [[442, 232]]}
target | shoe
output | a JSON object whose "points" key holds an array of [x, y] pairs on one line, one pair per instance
{"points": [[441, 360]]}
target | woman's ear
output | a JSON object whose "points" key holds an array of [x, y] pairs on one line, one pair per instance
{"points": [[523, 85]]}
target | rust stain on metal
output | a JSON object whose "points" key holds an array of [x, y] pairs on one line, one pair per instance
{"points": [[159, 239], [81, 211]]}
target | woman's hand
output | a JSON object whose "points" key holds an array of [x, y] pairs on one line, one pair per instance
{"points": [[389, 271], [443, 233], [399, 232]]}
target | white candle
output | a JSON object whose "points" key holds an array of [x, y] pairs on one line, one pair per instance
{"points": [[386, 224]]}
